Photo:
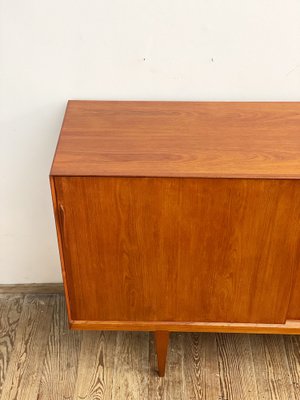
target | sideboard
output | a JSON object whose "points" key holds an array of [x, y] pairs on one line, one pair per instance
{"points": [[179, 216]]}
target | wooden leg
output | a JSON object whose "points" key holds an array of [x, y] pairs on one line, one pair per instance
{"points": [[161, 344]]}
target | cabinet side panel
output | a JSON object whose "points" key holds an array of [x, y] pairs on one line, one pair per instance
{"points": [[60, 244], [175, 249]]}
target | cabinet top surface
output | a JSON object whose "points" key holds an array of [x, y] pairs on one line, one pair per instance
{"points": [[179, 139]]}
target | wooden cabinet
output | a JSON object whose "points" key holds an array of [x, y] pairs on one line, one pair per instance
{"points": [[179, 216]]}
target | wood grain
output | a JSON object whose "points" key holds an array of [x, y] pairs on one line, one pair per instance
{"points": [[273, 380], [131, 369], [200, 370], [179, 139], [95, 366], [292, 351], [25, 366], [61, 361], [10, 310], [217, 249], [192, 371], [236, 367]]}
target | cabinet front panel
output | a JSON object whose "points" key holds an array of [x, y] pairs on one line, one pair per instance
{"points": [[177, 249]]}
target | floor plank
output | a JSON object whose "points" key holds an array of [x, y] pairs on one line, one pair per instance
{"points": [[273, 379], [10, 311], [236, 367], [95, 366], [131, 366], [200, 371], [292, 349], [25, 366], [61, 361]]}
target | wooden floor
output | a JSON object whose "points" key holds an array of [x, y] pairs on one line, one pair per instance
{"points": [[41, 359]]}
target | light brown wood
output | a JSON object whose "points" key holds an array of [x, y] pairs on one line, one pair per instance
{"points": [[187, 139], [131, 366], [236, 367], [161, 344], [59, 372], [10, 311], [292, 352], [95, 366], [199, 366], [273, 379], [201, 374], [25, 367], [37, 288]]}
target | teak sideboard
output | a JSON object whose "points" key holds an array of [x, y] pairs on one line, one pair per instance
{"points": [[179, 216]]}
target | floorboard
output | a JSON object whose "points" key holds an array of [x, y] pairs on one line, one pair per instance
{"points": [[201, 369], [27, 357], [273, 377], [41, 359], [59, 373], [95, 366], [131, 366], [10, 311], [292, 349]]}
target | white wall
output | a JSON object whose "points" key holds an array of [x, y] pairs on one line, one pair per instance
{"points": [[51, 51]]}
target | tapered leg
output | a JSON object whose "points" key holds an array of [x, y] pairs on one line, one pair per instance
{"points": [[161, 344]]}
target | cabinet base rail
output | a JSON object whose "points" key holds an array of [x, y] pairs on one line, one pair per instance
{"points": [[291, 327]]}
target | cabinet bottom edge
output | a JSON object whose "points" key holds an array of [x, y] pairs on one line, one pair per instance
{"points": [[291, 327]]}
